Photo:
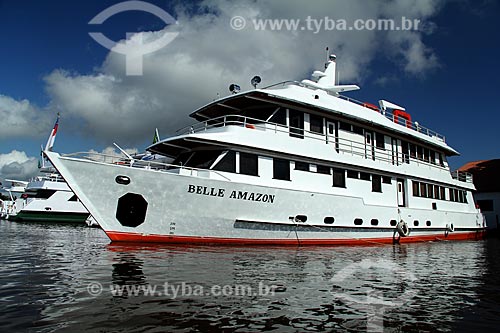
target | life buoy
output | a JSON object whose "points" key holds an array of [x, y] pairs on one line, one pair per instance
{"points": [[371, 106], [403, 229], [450, 227], [406, 116]]}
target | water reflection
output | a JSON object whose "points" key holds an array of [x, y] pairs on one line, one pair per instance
{"points": [[438, 286]]}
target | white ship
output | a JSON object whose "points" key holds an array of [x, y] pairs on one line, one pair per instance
{"points": [[48, 198], [15, 190], [295, 163]]}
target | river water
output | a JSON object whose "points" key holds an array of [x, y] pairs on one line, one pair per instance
{"points": [[69, 278]]}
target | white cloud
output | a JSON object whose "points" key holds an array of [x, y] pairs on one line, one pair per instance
{"points": [[208, 55], [18, 166], [21, 119]]}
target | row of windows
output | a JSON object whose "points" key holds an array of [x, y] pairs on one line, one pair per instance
{"points": [[425, 190], [359, 221], [316, 124]]}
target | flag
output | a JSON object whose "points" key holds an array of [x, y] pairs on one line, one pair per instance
{"points": [[156, 138], [52, 136]]}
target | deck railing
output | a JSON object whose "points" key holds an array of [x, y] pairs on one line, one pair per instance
{"points": [[342, 145]]}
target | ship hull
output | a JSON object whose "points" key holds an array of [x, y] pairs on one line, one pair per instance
{"points": [[164, 207]]}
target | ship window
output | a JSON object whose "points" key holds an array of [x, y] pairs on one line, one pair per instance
{"points": [[279, 117], [323, 169], [386, 180], [300, 218], [316, 124], [426, 154], [344, 126], [413, 150], [428, 223], [352, 174], [329, 220], [452, 197], [302, 166], [393, 223], [434, 206], [442, 189], [423, 190], [296, 124], [357, 129], [420, 152], [358, 221], [249, 164], [364, 176], [374, 222], [437, 194], [433, 157], [203, 159], [415, 223], [338, 177], [376, 183], [181, 160], [485, 205], [227, 163], [430, 191], [416, 189], [441, 162], [281, 169], [73, 198], [380, 140], [465, 197], [44, 194]]}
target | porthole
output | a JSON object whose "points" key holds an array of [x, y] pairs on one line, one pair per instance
{"points": [[374, 222], [300, 218], [358, 221], [329, 220], [394, 223], [415, 223], [123, 180], [428, 223]]}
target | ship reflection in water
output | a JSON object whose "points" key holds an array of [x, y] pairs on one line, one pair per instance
{"points": [[70, 278]]}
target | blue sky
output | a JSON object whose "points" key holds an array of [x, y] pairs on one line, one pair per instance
{"points": [[49, 64]]}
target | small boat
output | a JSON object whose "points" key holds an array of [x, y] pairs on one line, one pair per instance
{"points": [[295, 163]]}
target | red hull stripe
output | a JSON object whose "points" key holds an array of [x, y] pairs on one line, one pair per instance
{"points": [[142, 238]]}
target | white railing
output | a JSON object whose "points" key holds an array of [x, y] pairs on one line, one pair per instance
{"points": [[342, 145], [462, 176], [143, 164]]}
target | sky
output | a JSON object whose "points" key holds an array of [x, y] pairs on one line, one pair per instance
{"points": [[445, 73]]}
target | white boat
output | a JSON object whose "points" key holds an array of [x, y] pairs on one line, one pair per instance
{"points": [[15, 190], [295, 163], [48, 198]]}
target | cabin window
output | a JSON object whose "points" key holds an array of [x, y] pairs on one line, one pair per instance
{"points": [[203, 159], [465, 197], [437, 193], [485, 205], [380, 138], [416, 223], [430, 191], [364, 176], [323, 169], [301, 166], [44, 194], [420, 152], [329, 220], [413, 150], [279, 117], [386, 180], [281, 169], [352, 174], [316, 124], [338, 177], [357, 130], [423, 190], [404, 150], [442, 189], [227, 163], [416, 189], [428, 223], [393, 223], [433, 157], [344, 126], [374, 222], [249, 164], [296, 124], [358, 221], [376, 183], [441, 162]]}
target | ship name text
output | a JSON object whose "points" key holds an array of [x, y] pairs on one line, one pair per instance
{"points": [[238, 195]]}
